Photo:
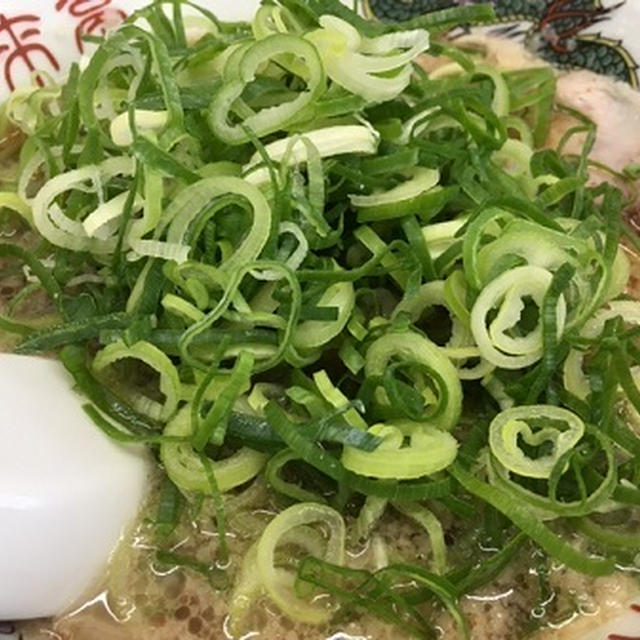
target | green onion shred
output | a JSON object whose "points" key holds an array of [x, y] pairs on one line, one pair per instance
{"points": [[282, 250]]}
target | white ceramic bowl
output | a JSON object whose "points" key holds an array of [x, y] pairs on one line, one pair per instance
{"points": [[47, 35]]}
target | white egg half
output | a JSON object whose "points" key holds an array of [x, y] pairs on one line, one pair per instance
{"points": [[67, 491]]}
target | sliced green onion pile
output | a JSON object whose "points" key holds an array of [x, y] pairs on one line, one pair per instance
{"points": [[282, 249]]}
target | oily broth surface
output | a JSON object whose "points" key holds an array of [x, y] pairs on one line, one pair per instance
{"points": [[146, 600]]}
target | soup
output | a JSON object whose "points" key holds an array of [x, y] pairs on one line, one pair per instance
{"points": [[364, 315]]}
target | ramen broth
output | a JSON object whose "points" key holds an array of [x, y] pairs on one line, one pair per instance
{"points": [[145, 597]]}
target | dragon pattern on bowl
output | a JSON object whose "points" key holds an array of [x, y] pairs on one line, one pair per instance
{"points": [[591, 34]]}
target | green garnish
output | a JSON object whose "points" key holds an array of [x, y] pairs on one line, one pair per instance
{"points": [[283, 246]]}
